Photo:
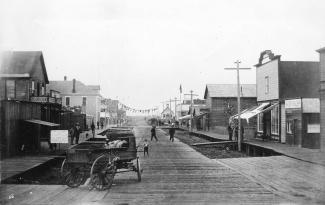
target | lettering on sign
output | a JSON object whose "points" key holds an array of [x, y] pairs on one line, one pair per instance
{"points": [[293, 104], [59, 136], [313, 128]]}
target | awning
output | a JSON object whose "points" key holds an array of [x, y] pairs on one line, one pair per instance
{"points": [[41, 122], [255, 110], [186, 117]]}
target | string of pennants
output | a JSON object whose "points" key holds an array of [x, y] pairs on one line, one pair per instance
{"points": [[127, 108]]}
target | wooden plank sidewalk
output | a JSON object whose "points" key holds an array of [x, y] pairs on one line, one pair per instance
{"points": [[299, 181]]}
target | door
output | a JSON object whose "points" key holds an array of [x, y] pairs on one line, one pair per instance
{"points": [[267, 124], [295, 132]]}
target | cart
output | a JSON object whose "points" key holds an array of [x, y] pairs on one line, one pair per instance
{"points": [[92, 160]]}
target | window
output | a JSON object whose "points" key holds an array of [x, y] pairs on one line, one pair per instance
{"points": [[275, 120], [289, 127], [67, 101], [260, 122], [21, 89], [43, 89], [267, 84], [33, 87], [10, 88], [84, 101]]}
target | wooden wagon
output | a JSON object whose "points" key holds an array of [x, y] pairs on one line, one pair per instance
{"points": [[92, 159]]}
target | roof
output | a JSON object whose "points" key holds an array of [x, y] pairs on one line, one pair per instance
{"points": [[229, 90], [41, 122], [65, 87], [321, 50], [23, 62]]}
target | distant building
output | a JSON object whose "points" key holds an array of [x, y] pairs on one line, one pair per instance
{"points": [[288, 95], [167, 113], [28, 112], [221, 101], [322, 97], [75, 93]]}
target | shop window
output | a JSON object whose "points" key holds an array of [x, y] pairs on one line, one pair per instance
{"points": [[275, 120], [10, 88], [260, 122], [67, 101], [21, 89], [267, 84], [289, 127]]}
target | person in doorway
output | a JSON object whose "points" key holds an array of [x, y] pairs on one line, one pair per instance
{"points": [[102, 124], [153, 133], [97, 124], [77, 131], [92, 126], [146, 148], [171, 133], [71, 135], [230, 132]]}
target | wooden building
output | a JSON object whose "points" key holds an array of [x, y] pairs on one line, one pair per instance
{"points": [[285, 89], [221, 101], [27, 111]]}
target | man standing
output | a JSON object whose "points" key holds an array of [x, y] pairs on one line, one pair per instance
{"points": [[153, 133], [92, 126], [77, 132]]}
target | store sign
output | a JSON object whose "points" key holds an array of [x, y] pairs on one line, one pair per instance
{"points": [[313, 128], [59, 136], [293, 104]]}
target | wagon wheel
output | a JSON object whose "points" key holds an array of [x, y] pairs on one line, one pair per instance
{"points": [[102, 172], [138, 169], [71, 175]]}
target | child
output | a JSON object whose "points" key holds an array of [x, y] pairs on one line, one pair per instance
{"points": [[145, 148]]}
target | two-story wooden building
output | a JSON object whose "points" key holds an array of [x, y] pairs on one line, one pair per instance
{"points": [[221, 101], [27, 112], [75, 93], [288, 95]]}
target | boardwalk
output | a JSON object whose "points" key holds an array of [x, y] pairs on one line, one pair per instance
{"points": [[295, 179], [173, 174]]}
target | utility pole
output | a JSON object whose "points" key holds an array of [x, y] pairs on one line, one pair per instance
{"points": [[238, 101], [191, 109], [175, 107]]}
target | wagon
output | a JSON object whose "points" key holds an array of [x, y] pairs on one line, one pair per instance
{"points": [[92, 160]]}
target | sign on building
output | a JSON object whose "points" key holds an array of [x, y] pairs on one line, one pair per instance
{"points": [[59, 136], [293, 104]]}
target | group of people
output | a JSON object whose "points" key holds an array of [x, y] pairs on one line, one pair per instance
{"points": [[74, 133], [233, 130], [154, 136]]}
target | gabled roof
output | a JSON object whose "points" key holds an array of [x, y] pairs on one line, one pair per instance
{"points": [[22, 62], [167, 110], [65, 88], [229, 90]]}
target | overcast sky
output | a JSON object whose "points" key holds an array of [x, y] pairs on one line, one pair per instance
{"points": [[141, 51]]}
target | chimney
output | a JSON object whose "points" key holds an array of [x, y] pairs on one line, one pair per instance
{"points": [[65, 78], [73, 85]]}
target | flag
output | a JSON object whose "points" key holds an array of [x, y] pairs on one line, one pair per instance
{"points": [[180, 88]]}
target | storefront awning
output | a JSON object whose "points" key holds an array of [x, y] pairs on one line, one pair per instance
{"points": [[186, 117], [41, 122], [255, 110]]}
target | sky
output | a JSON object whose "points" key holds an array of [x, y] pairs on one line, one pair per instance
{"points": [[140, 51]]}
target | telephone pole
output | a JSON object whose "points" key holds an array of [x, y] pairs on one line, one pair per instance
{"points": [[238, 101], [191, 109]]}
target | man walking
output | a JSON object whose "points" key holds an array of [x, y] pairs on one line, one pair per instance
{"points": [[92, 126], [153, 133], [171, 133]]}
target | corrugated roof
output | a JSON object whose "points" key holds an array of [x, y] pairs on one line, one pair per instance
{"points": [[65, 87], [229, 90], [21, 62]]}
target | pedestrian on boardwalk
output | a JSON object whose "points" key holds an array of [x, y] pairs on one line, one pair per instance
{"points": [[171, 133], [146, 148], [77, 131], [97, 124], [71, 135], [230, 132], [92, 126], [153, 133]]}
